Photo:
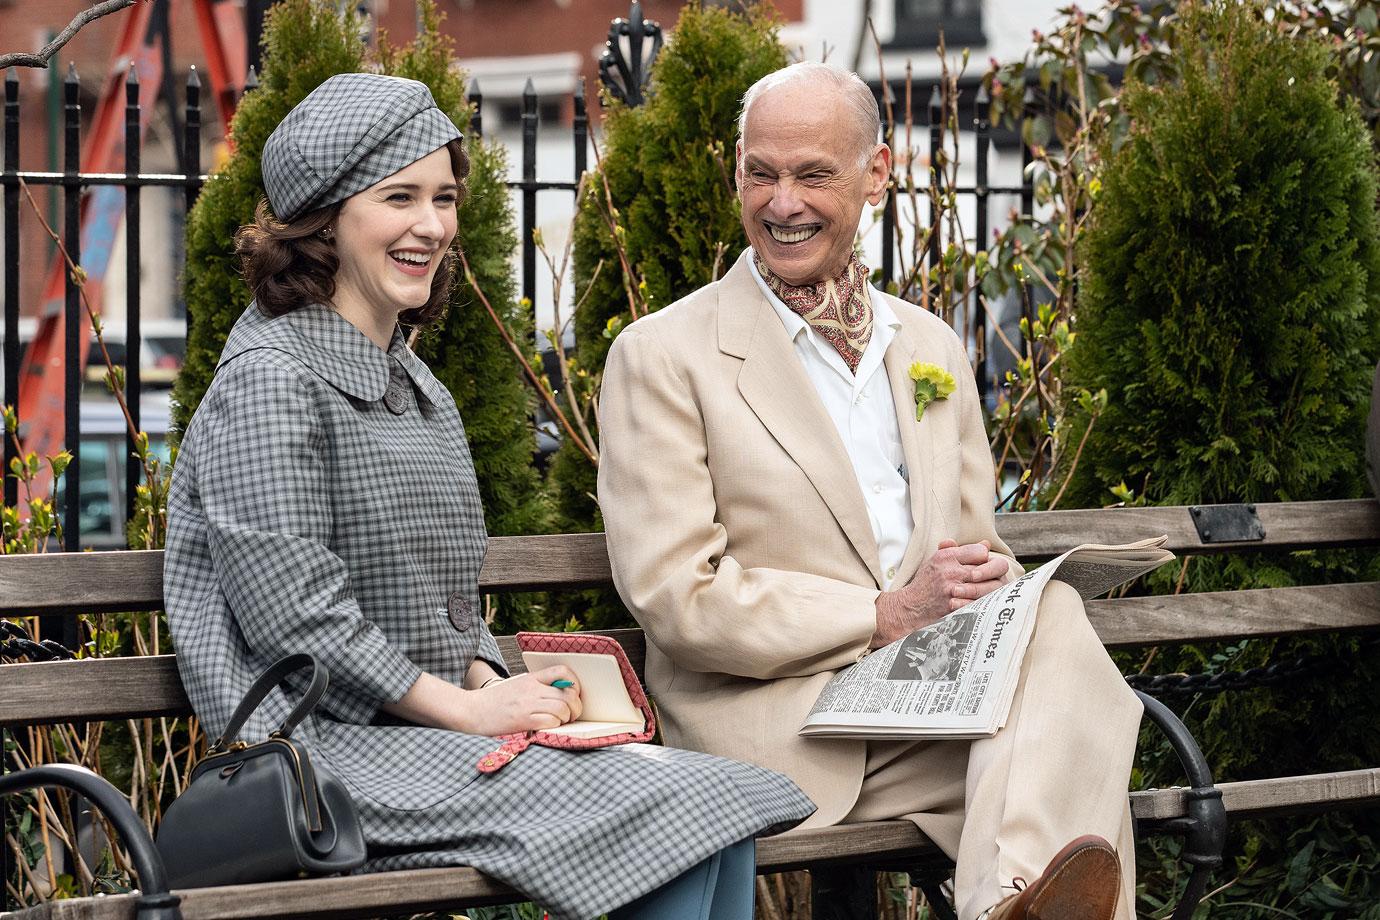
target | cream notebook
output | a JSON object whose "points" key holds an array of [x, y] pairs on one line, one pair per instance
{"points": [[608, 709]]}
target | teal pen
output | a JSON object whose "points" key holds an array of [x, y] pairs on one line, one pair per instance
{"points": [[562, 684]]}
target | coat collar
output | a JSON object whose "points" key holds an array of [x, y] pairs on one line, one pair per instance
{"points": [[333, 349]]}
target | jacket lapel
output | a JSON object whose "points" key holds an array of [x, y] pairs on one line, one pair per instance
{"points": [[775, 386], [917, 442]]}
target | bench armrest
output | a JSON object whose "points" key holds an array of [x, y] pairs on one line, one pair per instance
{"points": [[1204, 827], [154, 901]]}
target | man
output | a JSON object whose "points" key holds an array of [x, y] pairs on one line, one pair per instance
{"points": [[774, 511]]}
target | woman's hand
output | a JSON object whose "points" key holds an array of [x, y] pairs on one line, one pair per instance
{"points": [[526, 702]]}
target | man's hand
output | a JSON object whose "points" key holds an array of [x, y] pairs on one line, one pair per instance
{"points": [[947, 580]]}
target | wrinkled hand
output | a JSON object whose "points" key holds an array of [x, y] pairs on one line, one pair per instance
{"points": [[952, 577], [525, 702]]}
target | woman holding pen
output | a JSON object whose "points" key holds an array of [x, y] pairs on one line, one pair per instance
{"points": [[324, 501]]}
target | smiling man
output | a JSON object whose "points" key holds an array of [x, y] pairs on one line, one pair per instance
{"points": [[774, 511]]}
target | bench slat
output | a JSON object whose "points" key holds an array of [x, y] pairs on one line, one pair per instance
{"points": [[1133, 621], [92, 689], [1266, 798], [1037, 536], [116, 688], [95, 582], [883, 842], [81, 582]]}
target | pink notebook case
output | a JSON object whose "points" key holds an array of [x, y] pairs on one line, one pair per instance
{"points": [[580, 646]]}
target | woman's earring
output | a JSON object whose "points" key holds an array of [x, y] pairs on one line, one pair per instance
{"points": [[326, 233]]}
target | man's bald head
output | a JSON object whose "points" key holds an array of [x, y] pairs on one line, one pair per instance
{"points": [[824, 79], [808, 161]]}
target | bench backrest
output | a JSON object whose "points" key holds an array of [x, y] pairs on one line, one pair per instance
{"points": [[70, 584]]}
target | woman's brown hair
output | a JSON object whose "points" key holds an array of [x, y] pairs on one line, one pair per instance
{"points": [[290, 264]]}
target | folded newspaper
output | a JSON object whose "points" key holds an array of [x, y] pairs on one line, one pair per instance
{"points": [[956, 678]]}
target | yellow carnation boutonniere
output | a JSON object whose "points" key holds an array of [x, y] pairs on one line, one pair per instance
{"points": [[932, 382]]}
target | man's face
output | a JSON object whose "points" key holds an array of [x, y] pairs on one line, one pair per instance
{"points": [[800, 183]]}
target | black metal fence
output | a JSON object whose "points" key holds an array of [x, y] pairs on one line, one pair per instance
{"points": [[981, 191], [623, 71], [74, 184]]}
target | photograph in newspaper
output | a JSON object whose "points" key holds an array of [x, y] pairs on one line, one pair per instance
{"points": [[935, 652], [956, 678]]}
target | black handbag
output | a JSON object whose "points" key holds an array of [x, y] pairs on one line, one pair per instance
{"points": [[261, 812]]}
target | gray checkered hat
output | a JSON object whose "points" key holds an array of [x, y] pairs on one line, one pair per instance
{"points": [[351, 132]]}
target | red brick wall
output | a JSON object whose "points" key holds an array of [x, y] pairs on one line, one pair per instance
{"points": [[497, 28]]}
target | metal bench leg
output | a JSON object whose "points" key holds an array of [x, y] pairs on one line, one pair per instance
{"points": [[843, 893], [1204, 828], [930, 884], [154, 902]]}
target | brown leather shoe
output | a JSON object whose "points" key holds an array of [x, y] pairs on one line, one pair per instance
{"points": [[1082, 882]]}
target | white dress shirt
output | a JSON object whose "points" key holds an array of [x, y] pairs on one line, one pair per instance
{"points": [[864, 414]]}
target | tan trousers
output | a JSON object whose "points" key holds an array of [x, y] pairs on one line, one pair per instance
{"points": [[1001, 807]]}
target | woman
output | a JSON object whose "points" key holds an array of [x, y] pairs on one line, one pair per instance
{"points": [[324, 501]]}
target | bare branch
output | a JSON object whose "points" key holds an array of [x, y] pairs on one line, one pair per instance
{"points": [[1073, 468], [80, 21], [590, 452]]}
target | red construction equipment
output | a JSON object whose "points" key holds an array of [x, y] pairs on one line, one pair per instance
{"points": [[221, 31]]}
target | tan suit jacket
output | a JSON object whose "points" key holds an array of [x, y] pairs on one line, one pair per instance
{"points": [[737, 532]]}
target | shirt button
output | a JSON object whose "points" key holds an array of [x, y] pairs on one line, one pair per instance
{"points": [[877, 487], [891, 573]]}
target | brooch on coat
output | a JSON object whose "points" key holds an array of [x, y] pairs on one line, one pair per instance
{"points": [[932, 383]]}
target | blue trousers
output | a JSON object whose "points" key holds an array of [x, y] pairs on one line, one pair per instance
{"points": [[719, 888]]}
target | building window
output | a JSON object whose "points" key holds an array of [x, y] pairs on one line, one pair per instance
{"points": [[918, 23]]}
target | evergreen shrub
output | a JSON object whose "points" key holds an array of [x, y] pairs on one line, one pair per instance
{"points": [[669, 168], [307, 41], [1228, 307]]}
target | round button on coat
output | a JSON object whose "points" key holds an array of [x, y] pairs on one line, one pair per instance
{"points": [[460, 611], [398, 396]]}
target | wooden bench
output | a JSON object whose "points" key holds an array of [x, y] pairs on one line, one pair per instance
{"points": [[103, 689]]}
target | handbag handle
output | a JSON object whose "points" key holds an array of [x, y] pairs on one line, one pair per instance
{"points": [[266, 681]]}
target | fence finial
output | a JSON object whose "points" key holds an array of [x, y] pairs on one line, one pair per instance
{"points": [[633, 69]]}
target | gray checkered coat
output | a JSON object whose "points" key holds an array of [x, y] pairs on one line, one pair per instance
{"points": [[324, 501]]}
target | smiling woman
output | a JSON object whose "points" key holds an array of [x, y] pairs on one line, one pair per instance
{"points": [[391, 238], [325, 501], [291, 263]]}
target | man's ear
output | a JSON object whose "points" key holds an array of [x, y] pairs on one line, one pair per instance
{"points": [[878, 173], [738, 167]]}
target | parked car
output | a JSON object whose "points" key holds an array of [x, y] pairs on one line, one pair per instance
{"points": [[164, 348], [101, 467]]}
